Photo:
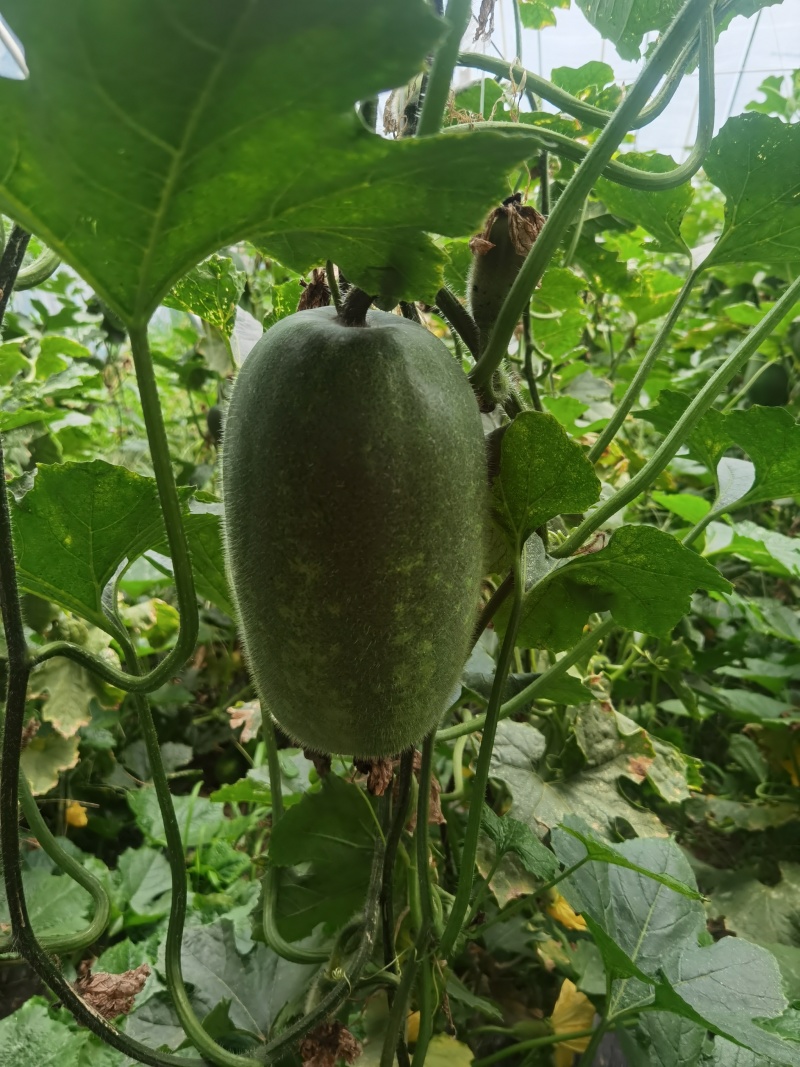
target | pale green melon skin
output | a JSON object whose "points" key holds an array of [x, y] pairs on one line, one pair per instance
{"points": [[354, 483]]}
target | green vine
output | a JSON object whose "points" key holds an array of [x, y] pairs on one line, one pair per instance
{"points": [[469, 851], [580, 185], [682, 429]]}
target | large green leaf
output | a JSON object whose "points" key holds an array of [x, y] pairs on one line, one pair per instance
{"points": [[648, 920], [542, 473], [643, 576], [145, 141], [660, 213], [593, 794], [333, 831], [753, 160], [75, 527]]}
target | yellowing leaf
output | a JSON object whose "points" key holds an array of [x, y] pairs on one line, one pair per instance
{"points": [[44, 757], [76, 814], [561, 911], [573, 1013], [445, 1051]]}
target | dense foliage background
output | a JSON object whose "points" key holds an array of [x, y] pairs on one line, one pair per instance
{"points": [[679, 724]]}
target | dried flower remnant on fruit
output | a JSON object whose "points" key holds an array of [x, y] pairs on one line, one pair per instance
{"points": [[329, 1044], [111, 994], [524, 226], [316, 293], [321, 761], [435, 814], [379, 774]]}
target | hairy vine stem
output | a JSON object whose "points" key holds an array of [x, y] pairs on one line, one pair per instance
{"points": [[426, 997], [633, 392], [173, 965], [342, 989], [93, 886], [458, 319], [671, 45], [392, 843], [441, 73], [530, 692]]}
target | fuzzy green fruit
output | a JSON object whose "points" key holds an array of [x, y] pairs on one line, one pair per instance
{"points": [[354, 481]]}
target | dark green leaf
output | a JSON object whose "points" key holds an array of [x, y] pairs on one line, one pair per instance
{"points": [[334, 831], [75, 527], [710, 438], [133, 193], [753, 160], [771, 438], [644, 577], [543, 473], [511, 835]]}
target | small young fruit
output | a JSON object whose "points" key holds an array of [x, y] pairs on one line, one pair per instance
{"points": [[772, 386], [499, 251], [354, 482]]}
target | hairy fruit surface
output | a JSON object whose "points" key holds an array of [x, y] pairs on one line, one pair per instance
{"points": [[354, 481]]}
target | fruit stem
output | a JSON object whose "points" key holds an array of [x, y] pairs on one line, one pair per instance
{"points": [[354, 308], [392, 842]]}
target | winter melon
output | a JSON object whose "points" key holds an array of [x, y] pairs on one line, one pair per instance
{"points": [[354, 484]]}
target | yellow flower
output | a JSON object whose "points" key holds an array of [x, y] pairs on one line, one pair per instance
{"points": [[412, 1028], [76, 814], [560, 910], [573, 1012]]}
